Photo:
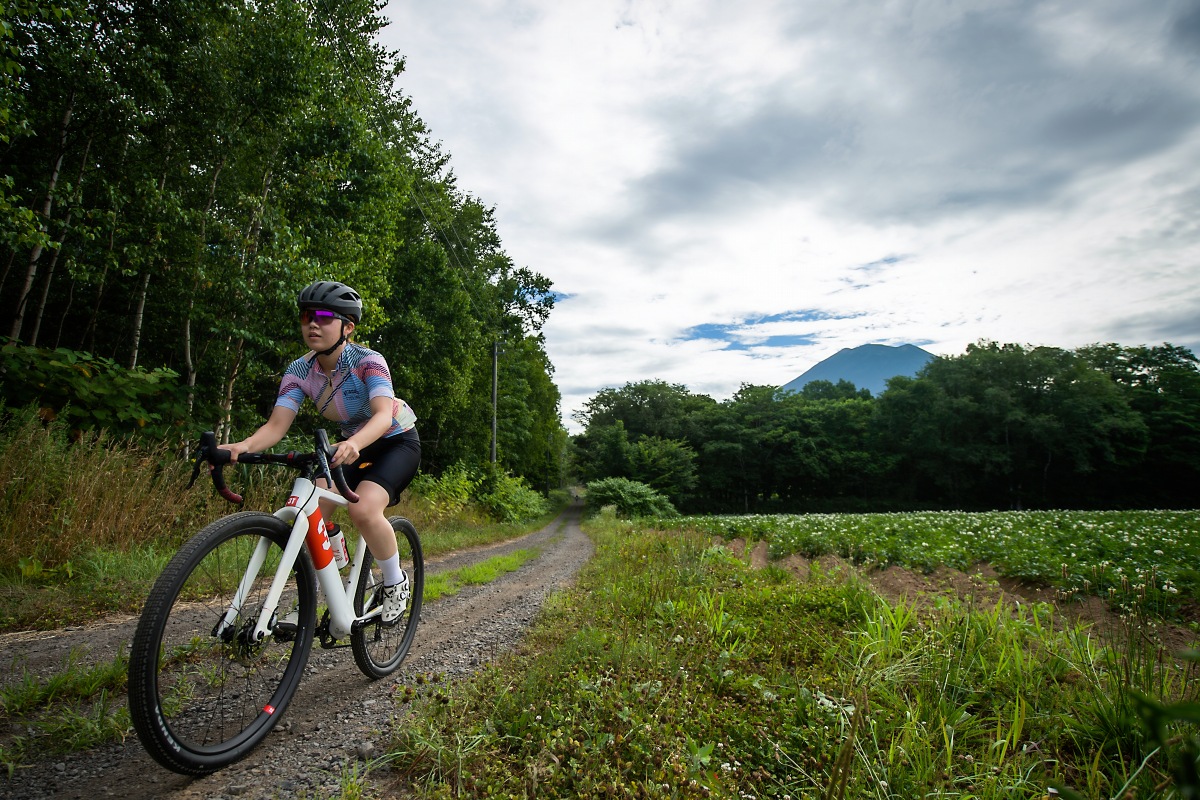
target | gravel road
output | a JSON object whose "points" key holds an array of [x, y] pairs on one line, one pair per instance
{"points": [[337, 717]]}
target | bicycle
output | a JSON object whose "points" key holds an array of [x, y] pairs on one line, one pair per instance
{"points": [[214, 663]]}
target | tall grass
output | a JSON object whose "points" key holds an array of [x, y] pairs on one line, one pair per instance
{"points": [[60, 498], [87, 524]]}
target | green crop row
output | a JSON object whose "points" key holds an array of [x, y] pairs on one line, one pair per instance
{"points": [[1154, 552]]}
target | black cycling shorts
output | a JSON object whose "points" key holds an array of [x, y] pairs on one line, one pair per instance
{"points": [[390, 462]]}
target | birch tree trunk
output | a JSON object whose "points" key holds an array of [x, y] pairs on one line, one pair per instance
{"points": [[141, 307], [47, 207], [225, 429], [137, 319], [41, 310], [252, 233], [188, 361]]}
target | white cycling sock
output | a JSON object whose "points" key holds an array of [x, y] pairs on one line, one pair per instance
{"points": [[392, 574]]}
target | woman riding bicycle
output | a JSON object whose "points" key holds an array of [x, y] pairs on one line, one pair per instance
{"points": [[379, 447]]}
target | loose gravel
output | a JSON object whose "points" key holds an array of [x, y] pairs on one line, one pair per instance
{"points": [[338, 720]]}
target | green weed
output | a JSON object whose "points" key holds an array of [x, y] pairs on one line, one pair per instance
{"points": [[76, 707], [449, 583]]}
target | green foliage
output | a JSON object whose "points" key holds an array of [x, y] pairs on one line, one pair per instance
{"points": [[1011, 427], [630, 498], [1174, 729], [503, 497], [509, 499], [90, 393], [448, 493], [666, 465]]}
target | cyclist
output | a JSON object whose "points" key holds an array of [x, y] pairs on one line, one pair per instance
{"points": [[379, 448]]}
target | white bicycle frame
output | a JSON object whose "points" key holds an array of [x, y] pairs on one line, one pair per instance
{"points": [[308, 526]]}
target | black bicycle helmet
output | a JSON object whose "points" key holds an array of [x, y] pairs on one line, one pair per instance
{"points": [[336, 297]]}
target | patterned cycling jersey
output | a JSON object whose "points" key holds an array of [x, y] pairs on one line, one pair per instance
{"points": [[345, 396]]}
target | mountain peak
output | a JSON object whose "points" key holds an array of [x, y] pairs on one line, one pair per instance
{"points": [[867, 366]]}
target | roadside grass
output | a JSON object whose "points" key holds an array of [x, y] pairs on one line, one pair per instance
{"points": [[463, 533], [673, 670], [79, 706], [444, 584]]}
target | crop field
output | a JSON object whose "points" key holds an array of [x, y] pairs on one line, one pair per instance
{"points": [[1155, 554], [676, 669]]}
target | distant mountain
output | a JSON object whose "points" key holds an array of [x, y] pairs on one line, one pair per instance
{"points": [[867, 367]]}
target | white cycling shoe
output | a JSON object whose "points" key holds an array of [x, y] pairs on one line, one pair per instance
{"points": [[395, 600]]}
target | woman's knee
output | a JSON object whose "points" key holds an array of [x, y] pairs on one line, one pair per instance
{"points": [[372, 501]]}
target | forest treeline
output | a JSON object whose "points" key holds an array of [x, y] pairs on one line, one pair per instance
{"points": [[174, 172], [1002, 426]]}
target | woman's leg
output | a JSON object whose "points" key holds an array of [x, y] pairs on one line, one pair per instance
{"points": [[369, 519]]}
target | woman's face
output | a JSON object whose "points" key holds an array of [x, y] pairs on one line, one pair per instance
{"points": [[321, 329]]}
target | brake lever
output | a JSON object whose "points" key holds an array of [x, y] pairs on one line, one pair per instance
{"points": [[210, 453], [206, 440], [196, 467]]}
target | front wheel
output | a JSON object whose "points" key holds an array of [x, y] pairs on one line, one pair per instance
{"points": [[202, 691], [378, 647]]}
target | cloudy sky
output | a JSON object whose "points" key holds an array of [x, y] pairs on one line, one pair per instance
{"points": [[728, 193]]}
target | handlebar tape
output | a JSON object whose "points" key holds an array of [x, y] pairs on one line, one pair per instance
{"points": [[217, 459]]}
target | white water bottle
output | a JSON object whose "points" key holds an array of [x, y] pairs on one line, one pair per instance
{"points": [[337, 542]]}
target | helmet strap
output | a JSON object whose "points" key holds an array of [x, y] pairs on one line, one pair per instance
{"points": [[341, 341]]}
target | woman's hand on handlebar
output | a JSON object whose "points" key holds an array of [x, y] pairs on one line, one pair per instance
{"points": [[235, 449], [345, 452]]}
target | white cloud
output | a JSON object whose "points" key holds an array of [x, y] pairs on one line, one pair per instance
{"points": [[914, 172]]}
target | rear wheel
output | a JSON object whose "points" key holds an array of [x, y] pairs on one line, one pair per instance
{"points": [[378, 647], [202, 691]]}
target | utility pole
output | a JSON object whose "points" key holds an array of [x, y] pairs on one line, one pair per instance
{"points": [[495, 384]]}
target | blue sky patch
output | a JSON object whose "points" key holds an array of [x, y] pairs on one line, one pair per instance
{"points": [[741, 335]]}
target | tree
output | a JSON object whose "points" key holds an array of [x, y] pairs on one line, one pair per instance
{"points": [[1008, 426], [666, 465], [603, 451], [647, 408], [1162, 385]]}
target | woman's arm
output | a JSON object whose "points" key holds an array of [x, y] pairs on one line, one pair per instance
{"points": [[269, 435], [347, 451]]}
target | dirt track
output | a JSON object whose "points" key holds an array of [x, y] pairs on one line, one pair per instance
{"points": [[338, 716]]}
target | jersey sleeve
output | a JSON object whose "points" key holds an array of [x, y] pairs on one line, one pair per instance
{"points": [[378, 379], [375, 374], [291, 388]]}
